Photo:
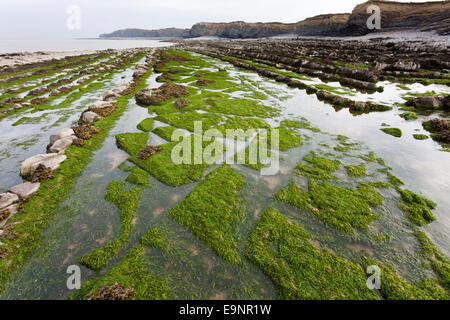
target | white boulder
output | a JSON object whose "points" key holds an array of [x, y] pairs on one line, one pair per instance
{"points": [[25, 169], [66, 132], [89, 117], [26, 189], [61, 144], [6, 199]]}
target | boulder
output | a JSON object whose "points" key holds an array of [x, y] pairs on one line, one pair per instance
{"points": [[50, 160], [61, 144], [424, 102], [51, 163], [110, 95], [89, 117], [103, 108], [26, 189], [25, 169], [67, 132], [6, 199]]}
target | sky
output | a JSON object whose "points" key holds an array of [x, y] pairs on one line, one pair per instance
{"points": [[57, 19]]}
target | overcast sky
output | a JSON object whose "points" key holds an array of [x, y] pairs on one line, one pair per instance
{"points": [[45, 19]]}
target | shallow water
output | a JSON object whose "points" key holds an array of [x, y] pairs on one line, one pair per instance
{"points": [[86, 221]]}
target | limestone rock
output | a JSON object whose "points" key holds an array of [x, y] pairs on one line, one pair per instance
{"points": [[61, 144], [66, 132], [89, 117], [26, 189], [7, 199], [25, 169]]}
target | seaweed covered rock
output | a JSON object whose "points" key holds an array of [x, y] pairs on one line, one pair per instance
{"points": [[85, 131], [181, 103], [161, 94], [440, 129], [41, 173], [103, 108], [114, 292], [149, 151], [430, 102]]}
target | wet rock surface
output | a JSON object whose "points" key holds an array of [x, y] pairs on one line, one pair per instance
{"points": [[148, 152], [114, 292], [26, 189], [161, 94]]}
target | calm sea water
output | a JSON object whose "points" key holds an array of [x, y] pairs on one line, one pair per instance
{"points": [[32, 45]]}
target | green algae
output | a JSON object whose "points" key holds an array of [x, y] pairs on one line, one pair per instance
{"points": [[420, 136], [298, 124], [393, 287], [156, 238], [300, 270], [288, 139], [146, 125], [132, 143], [161, 166], [417, 208], [131, 272], [370, 157], [321, 167], [164, 132], [395, 132], [341, 208], [394, 180], [242, 123], [356, 171], [127, 202], [437, 260], [186, 120], [210, 211], [409, 116], [138, 176], [41, 208]]}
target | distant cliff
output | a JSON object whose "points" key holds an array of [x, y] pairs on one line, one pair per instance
{"points": [[138, 33], [420, 16]]}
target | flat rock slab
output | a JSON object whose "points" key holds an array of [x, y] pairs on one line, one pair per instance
{"points": [[26, 189], [50, 160], [7, 199]]}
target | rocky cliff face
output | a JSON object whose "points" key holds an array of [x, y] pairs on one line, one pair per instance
{"points": [[138, 33], [240, 29], [326, 24], [421, 16]]}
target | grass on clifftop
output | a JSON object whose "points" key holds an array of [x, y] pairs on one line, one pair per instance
{"points": [[210, 211], [300, 269]]}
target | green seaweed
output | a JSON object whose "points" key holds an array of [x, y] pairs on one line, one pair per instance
{"points": [[341, 208], [300, 270], [210, 211]]}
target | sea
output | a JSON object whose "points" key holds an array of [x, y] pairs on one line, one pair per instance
{"points": [[62, 45]]}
